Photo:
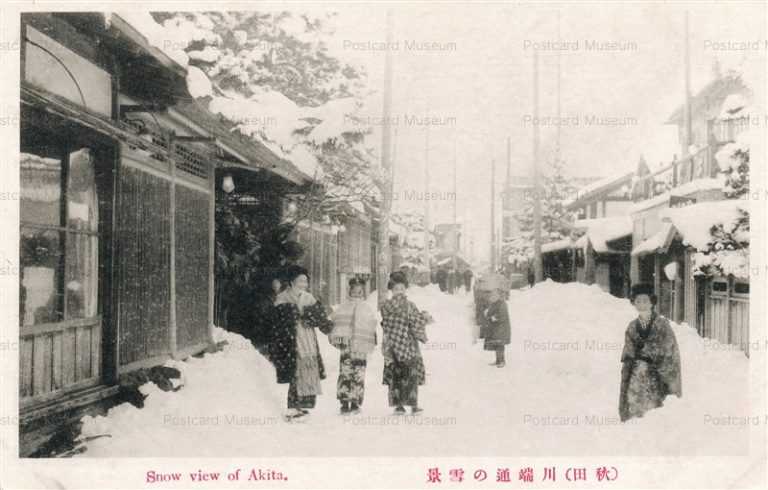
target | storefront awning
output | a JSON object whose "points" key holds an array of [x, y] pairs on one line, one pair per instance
{"points": [[557, 246], [658, 242], [601, 232]]}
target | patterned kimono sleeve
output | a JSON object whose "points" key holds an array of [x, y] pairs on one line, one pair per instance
{"points": [[628, 354], [417, 324], [669, 364], [315, 316], [627, 363]]}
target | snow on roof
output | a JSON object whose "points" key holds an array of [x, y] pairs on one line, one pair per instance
{"points": [[155, 34], [696, 185], [264, 117], [170, 40], [733, 107], [658, 241], [590, 188], [695, 221], [600, 231], [198, 83], [564, 244]]}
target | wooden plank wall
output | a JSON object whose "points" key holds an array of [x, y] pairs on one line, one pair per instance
{"points": [[59, 359], [143, 263], [191, 266]]}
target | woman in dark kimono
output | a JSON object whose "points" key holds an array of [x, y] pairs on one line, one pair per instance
{"points": [[403, 325], [650, 359], [293, 343]]}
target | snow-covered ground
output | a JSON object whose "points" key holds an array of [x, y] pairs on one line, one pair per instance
{"points": [[557, 396]]}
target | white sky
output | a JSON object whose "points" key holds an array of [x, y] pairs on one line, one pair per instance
{"points": [[485, 83]]}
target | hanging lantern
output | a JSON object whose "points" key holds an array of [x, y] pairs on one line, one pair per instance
{"points": [[227, 183]]}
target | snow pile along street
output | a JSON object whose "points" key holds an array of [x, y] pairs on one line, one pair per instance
{"points": [[557, 395]]}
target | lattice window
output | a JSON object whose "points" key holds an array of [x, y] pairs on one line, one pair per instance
{"points": [[190, 161]]}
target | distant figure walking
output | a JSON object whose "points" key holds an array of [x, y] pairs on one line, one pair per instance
{"points": [[531, 277], [442, 279], [468, 280]]}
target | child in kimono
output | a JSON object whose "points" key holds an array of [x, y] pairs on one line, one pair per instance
{"points": [[497, 329], [354, 334], [650, 359]]}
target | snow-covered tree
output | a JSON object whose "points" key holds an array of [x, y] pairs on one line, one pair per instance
{"points": [[728, 250], [733, 160], [411, 226], [556, 221], [272, 75]]}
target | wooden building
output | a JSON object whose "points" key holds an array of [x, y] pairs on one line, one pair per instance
{"points": [[718, 307], [117, 214]]}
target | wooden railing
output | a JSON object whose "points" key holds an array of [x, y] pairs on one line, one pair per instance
{"points": [[698, 165]]}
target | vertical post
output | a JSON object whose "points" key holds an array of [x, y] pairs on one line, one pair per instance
{"points": [[211, 250], [311, 241], [506, 218], [687, 124], [537, 261], [558, 126], [493, 216], [172, 315], [386, 166], [455, 237], [427, 221]]}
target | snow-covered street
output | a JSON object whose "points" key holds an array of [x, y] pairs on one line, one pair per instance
{"points": [[557, 395]]}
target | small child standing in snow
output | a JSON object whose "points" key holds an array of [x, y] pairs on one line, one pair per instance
{"points": [[650, 359], [497, 329], [354, 334]]}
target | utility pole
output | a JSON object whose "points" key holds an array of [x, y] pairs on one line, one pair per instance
{"points": [[387, 169], [455, 224], [537, 262], [427, 224], [493, 216], [688, 133], [558, 126], [506, 202]]}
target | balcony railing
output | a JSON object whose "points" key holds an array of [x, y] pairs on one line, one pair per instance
{"points": [[698, 165]]}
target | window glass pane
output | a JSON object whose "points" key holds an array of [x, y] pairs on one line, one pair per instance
{"points": [[81, 282], [40, 188], [82, 211], [39, 301], [742, 288]]}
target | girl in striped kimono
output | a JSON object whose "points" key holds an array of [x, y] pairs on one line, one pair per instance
{"points": [[354, 334], [403, 326]]}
